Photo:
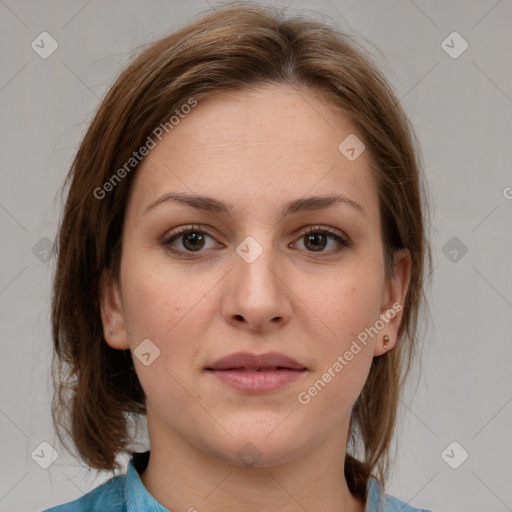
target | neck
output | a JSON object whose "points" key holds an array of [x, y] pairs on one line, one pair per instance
{"points": [[183, 477]]}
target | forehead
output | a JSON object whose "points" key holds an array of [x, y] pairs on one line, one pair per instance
{"points": [[259, 147]]}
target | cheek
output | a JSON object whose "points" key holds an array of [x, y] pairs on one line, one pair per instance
{"points": [[149, 308], [347, 302], [154, 295], [347, 307], [167, 304], [166, 307]]}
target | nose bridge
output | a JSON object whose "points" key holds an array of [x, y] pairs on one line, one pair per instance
{"points": [[257, 293], [256, 262]]}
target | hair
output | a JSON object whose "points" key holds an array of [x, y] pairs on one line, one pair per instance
{"points": [[235, 48]]}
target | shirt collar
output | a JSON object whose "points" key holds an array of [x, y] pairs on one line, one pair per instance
{"points": [[373, 496], [137, 497]]}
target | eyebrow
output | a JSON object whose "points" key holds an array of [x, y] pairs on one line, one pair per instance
{"points": [[210, 204]]}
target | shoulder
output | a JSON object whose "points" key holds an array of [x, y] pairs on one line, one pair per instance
{"points": [[108, 496], [378, 502], [392, 504]]}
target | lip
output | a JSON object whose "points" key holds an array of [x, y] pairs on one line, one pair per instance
{"points": [[256, 373], [249, 361]]}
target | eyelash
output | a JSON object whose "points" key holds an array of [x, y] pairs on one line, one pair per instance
{"points": [[343, 244]]}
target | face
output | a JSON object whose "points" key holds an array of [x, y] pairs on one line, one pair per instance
{"points": [[256, 270]]}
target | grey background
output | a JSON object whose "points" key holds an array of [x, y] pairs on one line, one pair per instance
{"points": [[462, 110]]}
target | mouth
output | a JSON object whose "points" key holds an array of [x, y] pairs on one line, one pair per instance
{"points": [[256, 373], [269, 361], [254, 369]]}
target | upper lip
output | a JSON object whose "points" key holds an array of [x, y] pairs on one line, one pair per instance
{"points": [[248, 360]]}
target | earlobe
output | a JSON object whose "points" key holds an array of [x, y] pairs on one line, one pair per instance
{"points": [[112, 312], [394, 300]]}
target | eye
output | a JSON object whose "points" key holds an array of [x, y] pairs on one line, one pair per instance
{"points": [[316, 239], [192, 238]]}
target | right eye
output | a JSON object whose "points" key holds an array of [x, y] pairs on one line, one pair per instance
{"points": [[190, 238]]}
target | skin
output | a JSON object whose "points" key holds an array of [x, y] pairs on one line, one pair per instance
{"points": [[255, 150]]}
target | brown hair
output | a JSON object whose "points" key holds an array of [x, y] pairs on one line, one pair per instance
{"points": [[97, 391]]}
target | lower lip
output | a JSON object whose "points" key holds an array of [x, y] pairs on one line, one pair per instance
{"points": [[257, 381]]}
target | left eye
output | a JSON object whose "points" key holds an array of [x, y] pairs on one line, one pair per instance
{"points": [[316, 240], [193, 240]]}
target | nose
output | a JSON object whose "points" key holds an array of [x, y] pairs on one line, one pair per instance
{"points": [[257, 294]]}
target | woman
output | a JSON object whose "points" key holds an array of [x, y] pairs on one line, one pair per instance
{"points": [[241, 260]]}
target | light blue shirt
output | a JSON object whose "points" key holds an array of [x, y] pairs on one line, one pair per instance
{"points": [[126, 493]]}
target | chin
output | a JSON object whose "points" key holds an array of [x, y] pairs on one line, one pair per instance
{"points": [[255, 448]]}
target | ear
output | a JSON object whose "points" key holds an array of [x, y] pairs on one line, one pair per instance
{"points": [[112, 312], [393, 301]]}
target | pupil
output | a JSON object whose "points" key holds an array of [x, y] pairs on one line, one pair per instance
{"points": [[196, 240], [314, 237]]}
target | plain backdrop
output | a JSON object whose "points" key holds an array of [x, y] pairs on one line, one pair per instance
{"points": [[461, 105]]}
